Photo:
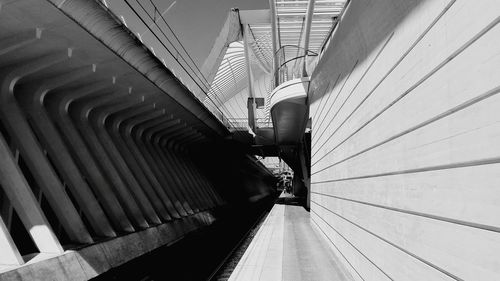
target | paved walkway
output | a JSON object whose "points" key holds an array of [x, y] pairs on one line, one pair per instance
{"points": [[286, 247]]}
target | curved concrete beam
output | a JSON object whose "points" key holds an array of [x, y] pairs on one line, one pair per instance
{"points": [[129, 134], [57, 106], [124, 129], [172, 155], [112, 124], [134, 200], [169, 170], [31, 95], [111, 32], [19, 128], [180, 175], [136, 133], [97, 119]]}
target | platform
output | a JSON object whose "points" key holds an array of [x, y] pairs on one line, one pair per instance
{"points": [[286, 247]]}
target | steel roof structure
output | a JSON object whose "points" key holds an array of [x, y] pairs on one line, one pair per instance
{"points": [[290, 17]]}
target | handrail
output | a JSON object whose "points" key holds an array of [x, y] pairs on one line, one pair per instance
{"points": [[299, 57], [290, 66], [242, 122], [294, 46]]}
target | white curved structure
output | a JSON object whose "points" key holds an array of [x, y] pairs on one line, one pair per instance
{"points": [[289, 109]]}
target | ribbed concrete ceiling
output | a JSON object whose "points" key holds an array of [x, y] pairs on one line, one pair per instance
{"points": [[47, 47]]}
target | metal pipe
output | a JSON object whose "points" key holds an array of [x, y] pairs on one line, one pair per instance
{"points": [[309, 16], [272, 6], [251, 107]]}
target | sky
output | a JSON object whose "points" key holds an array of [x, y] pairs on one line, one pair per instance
{"points": [[196, 22]]}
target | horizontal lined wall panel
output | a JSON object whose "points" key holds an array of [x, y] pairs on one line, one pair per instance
{"points": [[449, 194], [417, 97], [452, 247], [389, 264], [401, 43], [469, 135], [361, 267], [405, 165]]}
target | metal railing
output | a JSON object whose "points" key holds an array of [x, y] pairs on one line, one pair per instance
{"points": [[242, 122], [291, 62]]}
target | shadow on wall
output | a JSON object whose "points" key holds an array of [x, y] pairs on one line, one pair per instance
{"points": [[356, 26], [404, 149]]}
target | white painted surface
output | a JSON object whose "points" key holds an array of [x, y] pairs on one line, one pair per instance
{"points": [[405, 145], [286, 248], [263, 258]]}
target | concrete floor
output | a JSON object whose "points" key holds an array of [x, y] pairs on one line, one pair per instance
{"points": [[286, 247]]}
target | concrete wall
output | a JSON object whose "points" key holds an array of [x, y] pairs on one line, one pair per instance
{"points": [[406, 140], [96, 144]]}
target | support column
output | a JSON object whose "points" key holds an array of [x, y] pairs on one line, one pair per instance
{"points": [[162, 202], [98, 118], [131, 199], [195, 172], [164, 166], [57, 106], [169, 187], [305, 177], [192, 173], [24, 202], [18, 127], [95, 117], [9, 254], [252, 106], [181, 174], [274, 38], [172, 154], [307, 35], [201, 178], [189, 174], [125, 131], [31, 97]]}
